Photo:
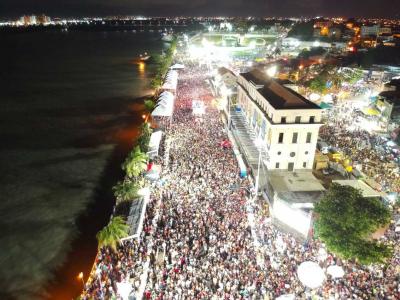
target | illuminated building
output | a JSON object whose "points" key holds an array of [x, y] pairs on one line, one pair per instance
{"points": [[372, 30], [287, 123]]}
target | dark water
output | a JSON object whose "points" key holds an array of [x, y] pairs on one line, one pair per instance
{"points": [[69, 110]]}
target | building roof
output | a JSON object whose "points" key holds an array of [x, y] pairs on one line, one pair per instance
{"points": [[284, 81], [296, 187], [222, 71], [256, 76], [366, 190], [298, 181], [391, 96], [394, 82], [281, 97]]}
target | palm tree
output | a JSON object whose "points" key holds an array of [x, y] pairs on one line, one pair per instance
{"points": [[135, 163], [149, 104], [111, 234], [126, 190], [144, 138]]}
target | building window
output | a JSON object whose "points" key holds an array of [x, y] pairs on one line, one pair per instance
{"points": [[292, 154], [277, 166], [294, 138], [280, 140], [304, 165], [312, 119], [297, 119], [308, 140], [279, 153], [283, 120]]}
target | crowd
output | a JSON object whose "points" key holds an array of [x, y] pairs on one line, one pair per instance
{"points": [[362, 147], [283, 254], [197, 242]]}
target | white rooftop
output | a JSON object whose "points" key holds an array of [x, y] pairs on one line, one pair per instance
{"points": [[298, 181], [366, 190]]}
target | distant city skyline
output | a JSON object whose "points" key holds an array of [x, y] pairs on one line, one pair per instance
{"points": [[65, 8]]}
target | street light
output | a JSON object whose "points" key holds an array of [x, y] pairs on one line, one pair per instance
{"points": [[271, 71], [80, 276]]}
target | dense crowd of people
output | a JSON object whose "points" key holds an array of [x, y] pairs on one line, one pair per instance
{"points": [[362, 147], [197, 241]]}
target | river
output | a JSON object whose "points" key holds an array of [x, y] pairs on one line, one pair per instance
{"points": [[70, 108]]}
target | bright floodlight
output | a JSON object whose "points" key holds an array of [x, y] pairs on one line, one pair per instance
{"points": [[310, 274], [335, 271], [271, 72], [124, 289], [317, 44]]}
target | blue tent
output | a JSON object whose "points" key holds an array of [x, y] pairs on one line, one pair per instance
{"points": [[325, 105]]}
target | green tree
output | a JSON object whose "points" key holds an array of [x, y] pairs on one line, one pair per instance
{"points": [[112, 233], [144, 138], [149, 104], [126, 190], [304, 30], [156, 81], [351, 76], [318, 85], [135, 163], [345, 223]]}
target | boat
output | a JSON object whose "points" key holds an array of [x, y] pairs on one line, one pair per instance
{"points": [[144, 57], [167, 37]]}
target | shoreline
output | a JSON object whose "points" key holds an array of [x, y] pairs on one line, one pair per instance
{"points": [[96, 215], [156, 81]]}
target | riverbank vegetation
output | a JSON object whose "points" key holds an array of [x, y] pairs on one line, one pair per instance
{"points": [[163, 61], [111, 234], [135, 164]]}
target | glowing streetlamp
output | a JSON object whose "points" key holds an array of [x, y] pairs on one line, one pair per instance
{"points": [[80, 277], [271, 72]]}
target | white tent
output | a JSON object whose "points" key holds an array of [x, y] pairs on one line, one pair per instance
{"points": [[198, 107], [154, 143], [310, 274], [165, 105], [170, 81], [177, 67], [335, 271]]}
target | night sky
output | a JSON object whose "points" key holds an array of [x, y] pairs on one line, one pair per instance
{"points": [[367, 8]]}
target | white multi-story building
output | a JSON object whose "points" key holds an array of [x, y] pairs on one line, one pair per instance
{"points": [[287, 123], [372, 30]]}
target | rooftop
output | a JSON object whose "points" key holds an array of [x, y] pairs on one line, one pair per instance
{"points": [[223, 71], [298, 181], [279, 96], [296, 187], [391, 96], [366, 190], [256, 77]]}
